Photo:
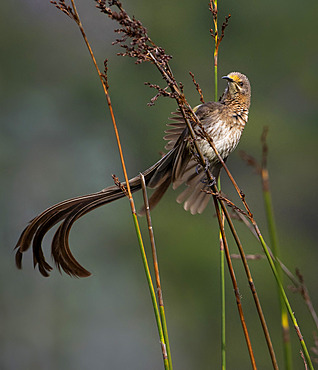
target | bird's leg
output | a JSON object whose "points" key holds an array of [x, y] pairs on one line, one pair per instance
{"points": [[207, 164], [206, 168], [213, 182], [209, 182]]}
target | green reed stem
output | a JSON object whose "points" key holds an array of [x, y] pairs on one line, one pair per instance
{"points": [[251, 284], [156, 270], [285, 299], [275, 250], [152, 293], [215, 82], [234, 281], [222, 281], [213, 4], [223, 313]]}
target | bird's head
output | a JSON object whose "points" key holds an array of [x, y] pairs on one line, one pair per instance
{"points": [[238, 88]]}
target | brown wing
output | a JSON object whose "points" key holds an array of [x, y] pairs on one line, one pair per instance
{"points": [[178, 126], [189, 172]]}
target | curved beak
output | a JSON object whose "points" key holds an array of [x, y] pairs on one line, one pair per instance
{"points": [[228, 78]]}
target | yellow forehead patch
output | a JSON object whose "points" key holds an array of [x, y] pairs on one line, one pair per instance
{"points": [[234, 77]]}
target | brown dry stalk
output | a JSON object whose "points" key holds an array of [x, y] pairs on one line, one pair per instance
{"points": [[234, 282], [197, 86]]}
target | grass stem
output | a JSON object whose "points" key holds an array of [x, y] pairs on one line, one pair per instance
{"points": [[275, 249], [156, 269], [234, 282]]}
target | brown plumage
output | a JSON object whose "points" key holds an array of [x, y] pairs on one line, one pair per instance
{"points": [[223, 121]]}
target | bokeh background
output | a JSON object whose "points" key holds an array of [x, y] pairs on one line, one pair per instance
{"points": [[57, 142]]}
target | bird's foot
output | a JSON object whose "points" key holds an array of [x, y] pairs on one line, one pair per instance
{"points": [[207, 164], [212, 182]]}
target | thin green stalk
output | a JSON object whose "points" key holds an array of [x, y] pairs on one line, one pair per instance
{"points": [[275, 250], [213, 5], [156, 269], [217, 41], [214, 11], [223, 303], [215, 82], [234, 282], [283, 309], [223, 313], [284, 296], [251, 283], [222, 286], [165, 334], [152, 292]]}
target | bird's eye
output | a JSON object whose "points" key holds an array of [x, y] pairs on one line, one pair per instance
{"points": [[240, 83]]}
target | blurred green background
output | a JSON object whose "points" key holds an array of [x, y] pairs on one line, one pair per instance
{"points": [[57, 142]]}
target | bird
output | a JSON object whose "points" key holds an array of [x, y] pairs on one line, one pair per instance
{"points": [[223, 121]]}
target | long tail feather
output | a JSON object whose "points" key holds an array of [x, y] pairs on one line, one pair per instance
{"points": [[67, 212]]}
